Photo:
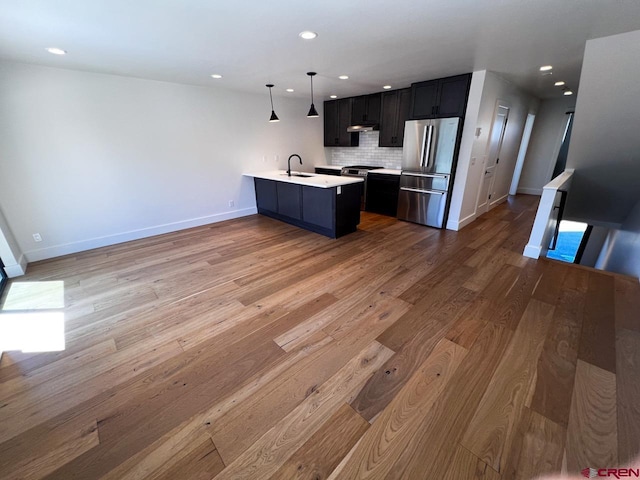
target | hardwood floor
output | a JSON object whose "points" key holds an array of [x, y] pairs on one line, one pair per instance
{"points": [[252, 349]]}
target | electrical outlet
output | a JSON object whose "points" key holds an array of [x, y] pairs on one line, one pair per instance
{"points": [[473, 160], [37, 237], [231, 203], [276, 157], [264, 159]]}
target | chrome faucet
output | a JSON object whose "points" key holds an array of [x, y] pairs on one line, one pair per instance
{"points": [[289, 162]]}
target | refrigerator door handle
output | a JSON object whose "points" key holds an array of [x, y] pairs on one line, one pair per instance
{"points": [[417, 190], [431, 152], [426, 145]]}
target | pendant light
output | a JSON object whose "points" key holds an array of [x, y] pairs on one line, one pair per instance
{"points": [[274, 117], [312, 111]]}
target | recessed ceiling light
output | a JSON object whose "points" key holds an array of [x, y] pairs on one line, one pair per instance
{"points": [[567, 92], [343, 77], [216, 75], [546, 68], [56, 51], [308, 35], [387, 87], [559, 84], [290, 90], [333, 96]]}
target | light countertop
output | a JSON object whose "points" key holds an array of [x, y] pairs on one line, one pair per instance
{"points": [[387, 171], [313, 179]]}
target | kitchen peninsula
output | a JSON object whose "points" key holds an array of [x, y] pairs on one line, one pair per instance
{"points": [[324, 204]]}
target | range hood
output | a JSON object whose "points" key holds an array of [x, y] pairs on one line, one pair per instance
{"points": [[362, 128]]}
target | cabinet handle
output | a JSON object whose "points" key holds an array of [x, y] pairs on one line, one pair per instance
{"points": [[437, 109], [433, 110]]}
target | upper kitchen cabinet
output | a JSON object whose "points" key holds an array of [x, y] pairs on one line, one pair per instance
{"points": [[445, 97], [337, 117], [366, 110], [395, 111]]}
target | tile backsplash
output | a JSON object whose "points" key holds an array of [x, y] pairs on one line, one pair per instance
{"points": [[367, 153]]}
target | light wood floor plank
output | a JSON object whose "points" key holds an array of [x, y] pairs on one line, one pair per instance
{"points": [[628, 394], [592, 432], [322, 453], [271, 451], [492, 428], [399, 423]]}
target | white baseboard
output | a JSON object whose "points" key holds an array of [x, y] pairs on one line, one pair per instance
{"points": [[89, 244], [18, 269], [453, 225], [532, 251], [530, 191]]}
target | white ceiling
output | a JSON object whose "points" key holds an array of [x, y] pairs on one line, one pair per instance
{"points": [[375, 42]]}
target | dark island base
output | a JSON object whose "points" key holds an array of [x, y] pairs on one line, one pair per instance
{"points": [[319, 210]]}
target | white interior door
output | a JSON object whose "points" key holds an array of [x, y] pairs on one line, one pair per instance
{"points": [[493, 159]]}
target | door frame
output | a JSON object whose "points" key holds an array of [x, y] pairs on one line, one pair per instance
{"points": [[499, 104], [522, 153]]}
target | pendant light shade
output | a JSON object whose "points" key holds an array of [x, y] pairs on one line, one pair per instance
{"points": [[274, 117], [312, 111]]}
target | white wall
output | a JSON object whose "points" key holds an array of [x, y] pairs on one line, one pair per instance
{"points": [[486, 89], [91, 159], [621, 251], [605, 144], [546, 139]]}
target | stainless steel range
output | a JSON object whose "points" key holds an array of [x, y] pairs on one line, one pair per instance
{"points": [[359, 171]]}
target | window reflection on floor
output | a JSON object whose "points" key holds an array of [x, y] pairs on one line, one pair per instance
{"points": [[32, 317]]}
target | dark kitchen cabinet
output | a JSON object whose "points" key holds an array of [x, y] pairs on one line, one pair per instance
{"points": [[382, 193], [289, 200], [314, 206], [337, 117], [266, 195], [445, 97], [366, 110], [395, 111], [333, 211]]}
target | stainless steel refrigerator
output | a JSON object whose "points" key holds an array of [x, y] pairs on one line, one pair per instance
{"points": [[428, 158]]}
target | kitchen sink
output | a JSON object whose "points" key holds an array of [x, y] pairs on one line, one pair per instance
{"points": [[298, 175]]}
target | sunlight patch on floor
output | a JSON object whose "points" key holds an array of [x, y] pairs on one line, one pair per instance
{"points": [[32, 331], [32, 317]]}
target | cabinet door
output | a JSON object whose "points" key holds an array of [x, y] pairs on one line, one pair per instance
{"points": [[331, 138], [395, 112], [289, 200], [266, 196], [359, 109], [318, 207], [424, 96], [366, 109], [452, 96], [373, 108], [346, 139], [388, 119], [404, 105]]}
